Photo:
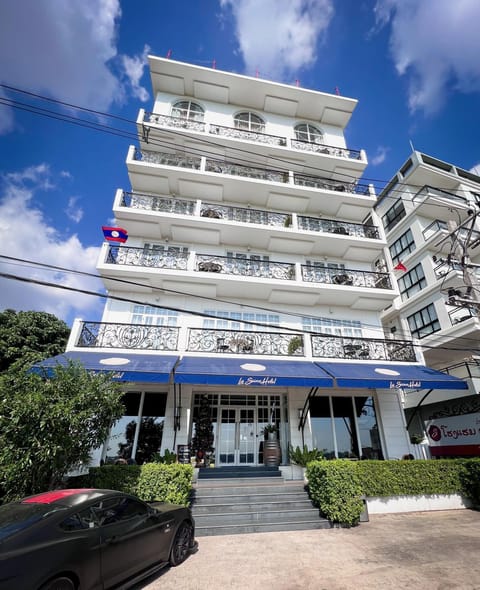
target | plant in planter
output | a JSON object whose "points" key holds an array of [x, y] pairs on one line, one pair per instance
{"points": [[270, 431], [303, 456], [296, 343], [202, 442], [417, 439]]}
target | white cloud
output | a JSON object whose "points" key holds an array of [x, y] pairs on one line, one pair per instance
{"points": [[279, 37], [436, 45], [73, 211], [134, 68], [66, 50], [380, 155], [26, 234]]}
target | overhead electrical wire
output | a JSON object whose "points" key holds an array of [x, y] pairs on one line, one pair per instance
{"points": [[187, 311], [134, 136]]}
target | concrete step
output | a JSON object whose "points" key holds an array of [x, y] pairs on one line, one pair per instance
{"points": [[238, 529], [238, 472], [270, 516], [258, 485], [237, 498], [251, 506]]}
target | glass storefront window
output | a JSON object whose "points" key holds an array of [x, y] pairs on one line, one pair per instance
{"points": [[368, 428], [344, 424], [322, 426]]}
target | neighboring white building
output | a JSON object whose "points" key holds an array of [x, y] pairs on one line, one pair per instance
{"points": [[254, 273], [430, 213]]}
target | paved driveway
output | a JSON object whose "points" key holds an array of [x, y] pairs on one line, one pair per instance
{"points": [[425, 550]]}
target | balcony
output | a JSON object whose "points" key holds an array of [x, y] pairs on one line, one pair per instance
{"points": [[228, 276], [212, 341], [127, 336], [224, 180], [434, 202], [148, 120]]}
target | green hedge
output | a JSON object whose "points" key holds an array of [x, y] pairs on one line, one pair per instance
{"points": [[151, 481], [337, 486]]}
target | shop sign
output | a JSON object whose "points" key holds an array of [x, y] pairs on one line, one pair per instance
{"points": [[454, 435]]}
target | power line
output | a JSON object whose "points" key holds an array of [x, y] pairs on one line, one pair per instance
{"points": [[134, 136]]}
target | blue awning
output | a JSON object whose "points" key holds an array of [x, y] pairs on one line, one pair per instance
{"points": [[390, 376], [137, 368], [250, 373]]}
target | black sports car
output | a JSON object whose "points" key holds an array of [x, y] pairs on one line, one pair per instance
{"points": [[89, 539]]}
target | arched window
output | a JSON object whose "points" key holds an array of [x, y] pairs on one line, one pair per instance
{"points": [[308, 132], [249, 122], [186, 109]]}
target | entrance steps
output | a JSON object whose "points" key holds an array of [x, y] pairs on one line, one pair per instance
{"points": [[251, 500]]}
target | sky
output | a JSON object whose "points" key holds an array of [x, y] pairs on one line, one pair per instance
{"points": [[413, 65]]}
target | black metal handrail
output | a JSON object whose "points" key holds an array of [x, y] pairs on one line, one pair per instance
{"points": [[345, 276]]}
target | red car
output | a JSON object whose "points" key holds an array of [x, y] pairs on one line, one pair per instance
{"points": [[87, 539]]}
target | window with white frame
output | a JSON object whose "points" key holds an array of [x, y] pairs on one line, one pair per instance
{"points": [[403, 246], [412, 282], [149, 315], [249, 122], [186, 109], [308, 132], [335, 327], [231, 320], [424, 322]]}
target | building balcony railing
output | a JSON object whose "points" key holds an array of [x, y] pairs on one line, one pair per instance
{"points": [[362, 348], [345, 276], [247, 267], [135, 200], [461, 314], [250, 135], [256, 136], [223, 167], [427, 192], [217, 341], [131, 336]]}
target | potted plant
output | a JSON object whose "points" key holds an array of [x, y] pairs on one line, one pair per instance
{"points": [[295, 344], [270, 431]]}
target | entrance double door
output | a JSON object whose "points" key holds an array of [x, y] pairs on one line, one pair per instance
{"points": [[237, 437]]}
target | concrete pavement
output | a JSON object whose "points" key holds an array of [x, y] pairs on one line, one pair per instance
{"points": [[433, 550]]}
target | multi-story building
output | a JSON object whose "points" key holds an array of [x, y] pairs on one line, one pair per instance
{"points": [[430, 213], [253, 278]]}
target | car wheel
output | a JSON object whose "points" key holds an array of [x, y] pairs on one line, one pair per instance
{"points": [[181, 544], [61, 583]]}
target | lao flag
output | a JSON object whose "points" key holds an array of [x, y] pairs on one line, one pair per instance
{"points": [[400, 266], [115, 234]]}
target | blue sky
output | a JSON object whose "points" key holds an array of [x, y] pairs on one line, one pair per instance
{"points": [[413, 65]]}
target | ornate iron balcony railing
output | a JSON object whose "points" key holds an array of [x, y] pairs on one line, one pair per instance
{"points": [[345, 276], [321, 148], [338, 227], [329, 184], [232, 169], [275, 343], [131, 336], [168, 159], [256, 136], [362, 348], [241, 342], [265, 269], [177, 122], [146, 257], [144, 202]]}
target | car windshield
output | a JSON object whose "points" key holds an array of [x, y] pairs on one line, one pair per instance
{"points": [[17, 517]]}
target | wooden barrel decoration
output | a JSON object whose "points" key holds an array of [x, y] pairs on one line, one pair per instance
{"points": [[272, 454]]}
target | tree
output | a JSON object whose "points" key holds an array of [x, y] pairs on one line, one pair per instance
{"points": [[203, 439], [149, 439], [29, 336], [49, 427]]}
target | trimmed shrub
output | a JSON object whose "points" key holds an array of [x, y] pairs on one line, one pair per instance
{"points": [[470, 480], [335, 487], [151, 481]]}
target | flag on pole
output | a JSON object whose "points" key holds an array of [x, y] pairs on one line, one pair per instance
{"points": [[115, 234], [400, 266]]}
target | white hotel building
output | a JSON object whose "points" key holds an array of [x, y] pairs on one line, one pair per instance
{"points": [[255, 273]]}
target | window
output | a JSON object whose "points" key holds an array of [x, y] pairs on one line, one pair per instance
{"points": [[120, 509], [424, 322], [394, 215], [249, 122], [186, 109], [403, 246], [234, 321], [308, 132], [154, 316], [346, 328], [412, 282]]}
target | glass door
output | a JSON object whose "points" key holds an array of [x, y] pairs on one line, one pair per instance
{"points": [[237, 440]]}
